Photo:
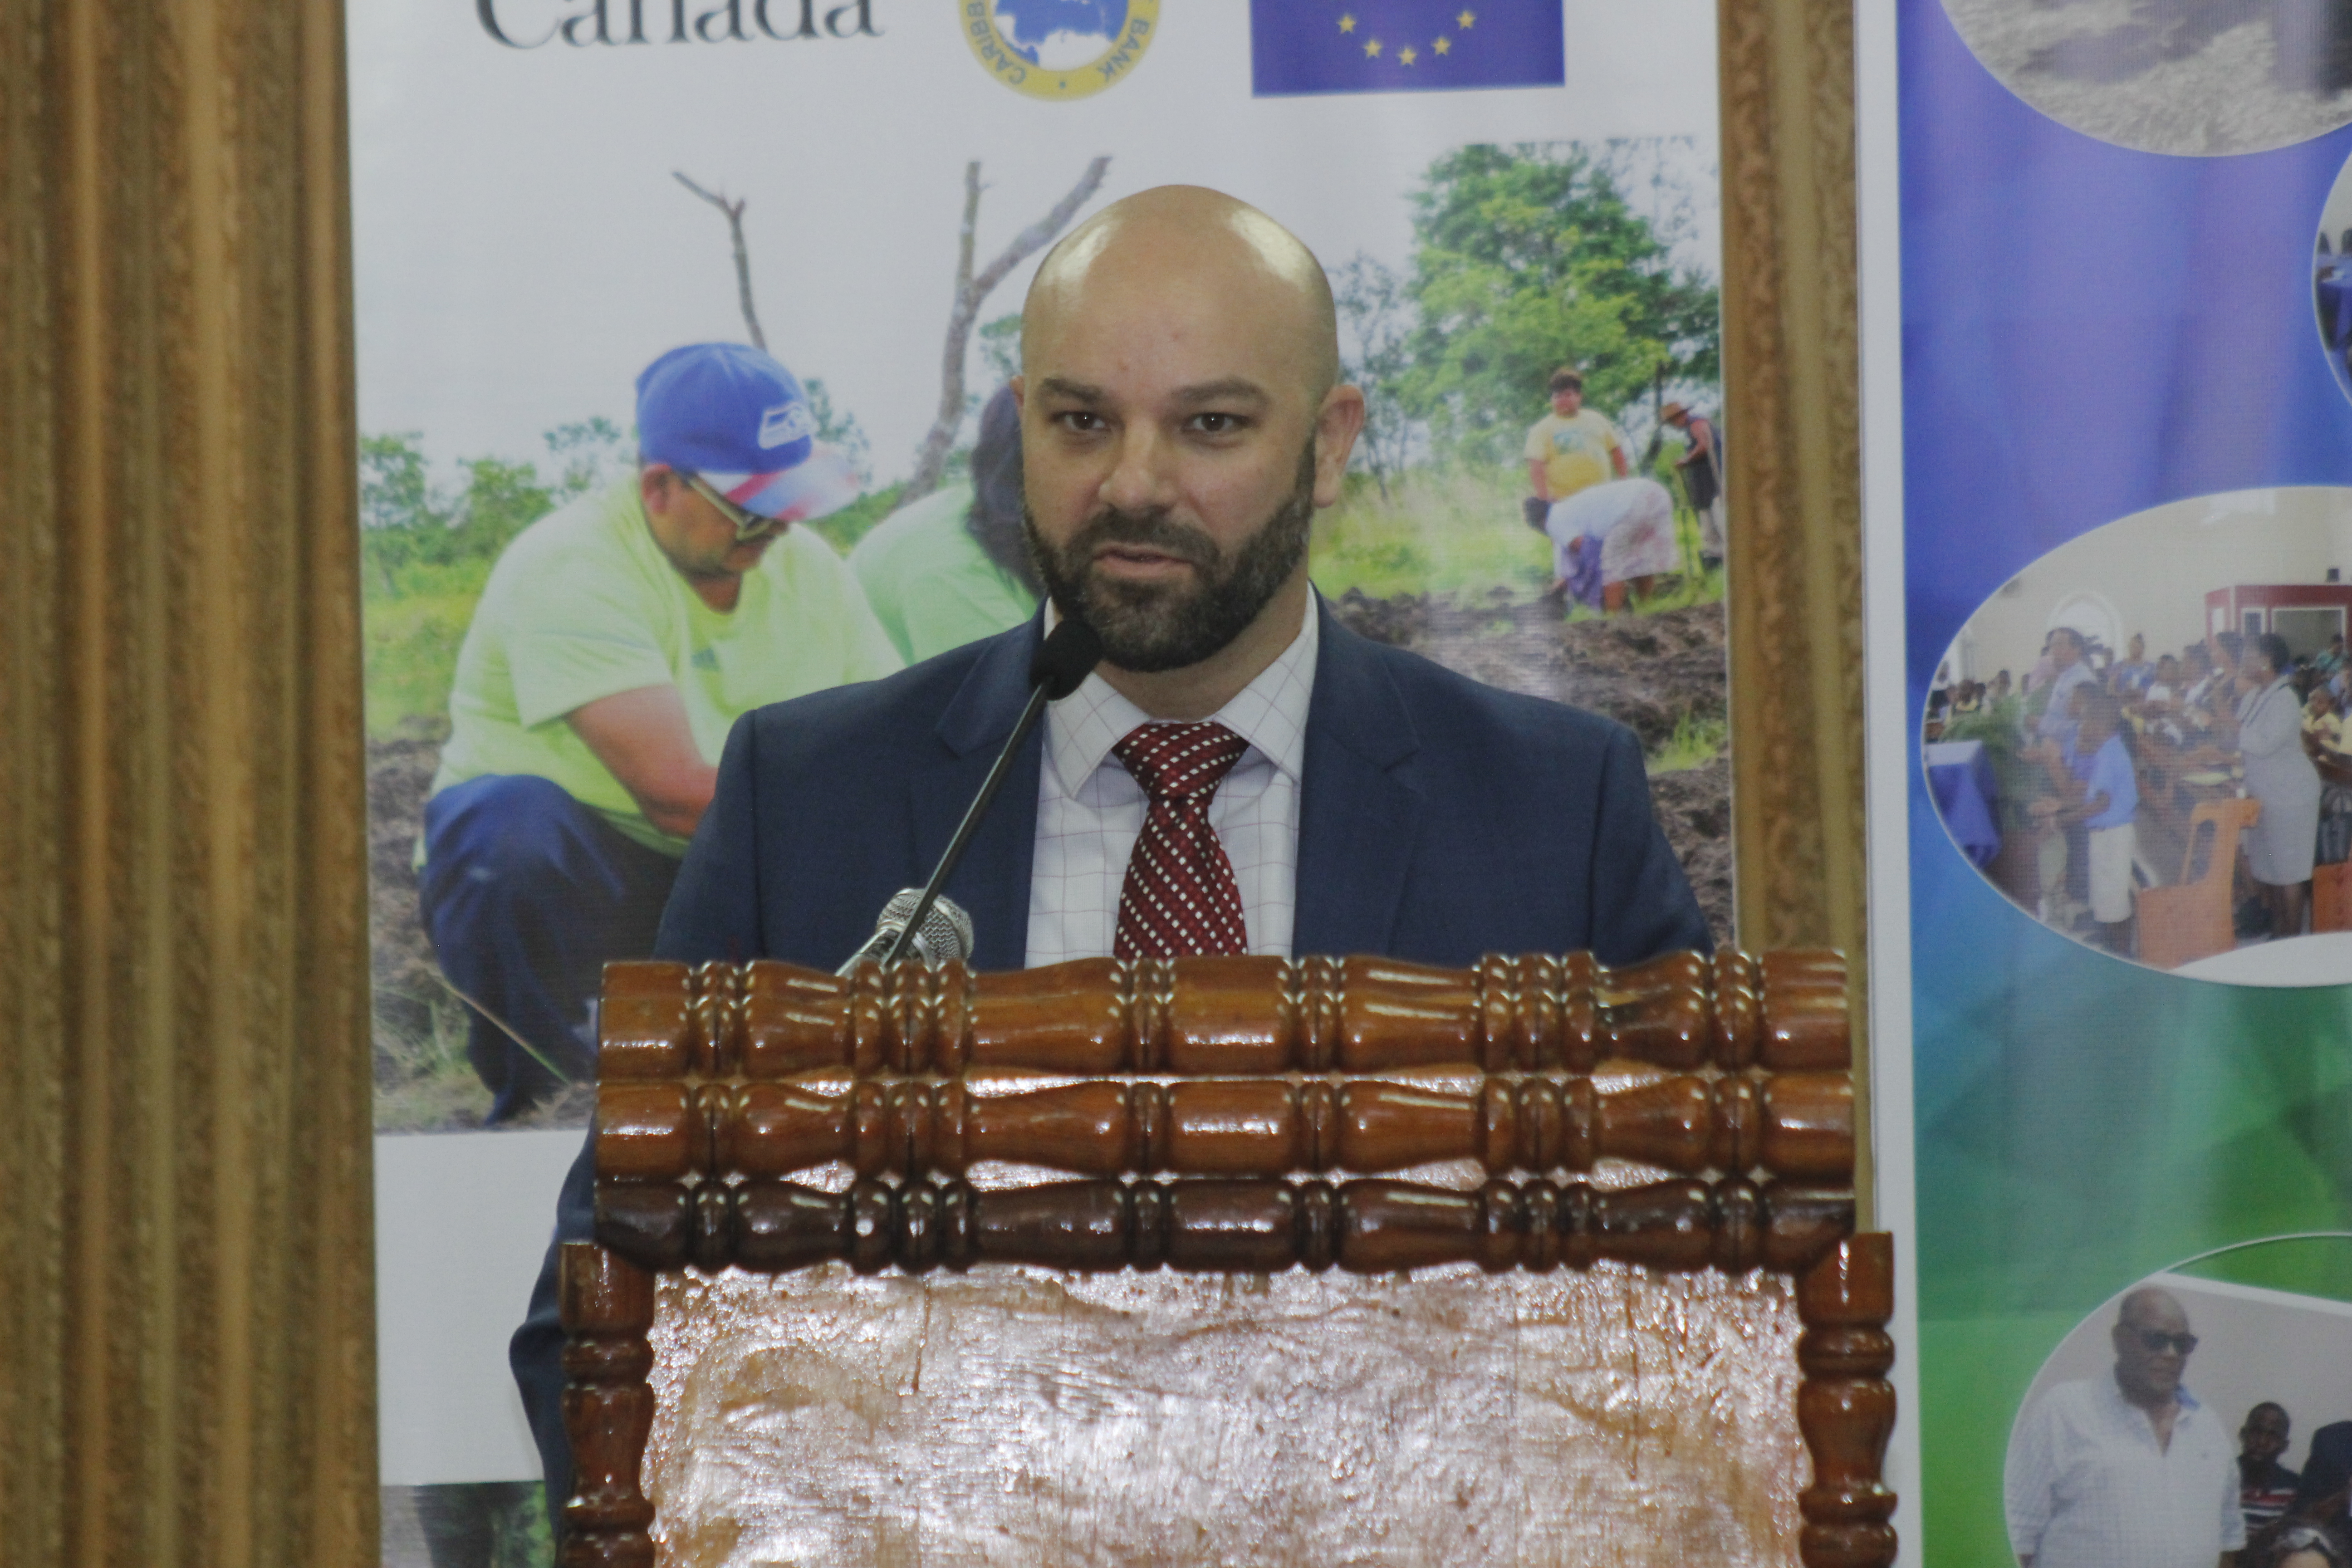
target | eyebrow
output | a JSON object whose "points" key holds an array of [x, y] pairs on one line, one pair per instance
{"points": [[1230, 389]]}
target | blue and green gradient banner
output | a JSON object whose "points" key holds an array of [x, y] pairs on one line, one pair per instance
{"points": [[2088, 330]]}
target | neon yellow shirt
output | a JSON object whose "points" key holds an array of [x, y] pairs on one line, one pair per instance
{"points": [[584, 605], [1575, 451], [930, 583]]}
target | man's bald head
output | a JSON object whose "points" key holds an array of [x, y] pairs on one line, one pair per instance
{"points": [[2152, 1306], [1189, 239], [2152, 1345]]}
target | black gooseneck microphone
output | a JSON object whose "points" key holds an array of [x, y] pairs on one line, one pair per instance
{"points": [[1063, 661]]}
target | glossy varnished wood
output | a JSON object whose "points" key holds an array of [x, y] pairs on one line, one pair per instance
{"points": [[1230, 1016], [1370, 1226], [1845, 1406], [1784, 1124], [606, 1305]]}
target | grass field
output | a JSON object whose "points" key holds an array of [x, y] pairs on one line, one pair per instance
{"points": [[1457, 532], [1446, 531], [414, 628]]}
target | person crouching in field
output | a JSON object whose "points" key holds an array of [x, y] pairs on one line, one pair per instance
{"points": [[2107, 806], [1611, 540], [614, 645]]}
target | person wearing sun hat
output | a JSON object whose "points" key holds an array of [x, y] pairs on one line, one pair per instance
{"points": [[1700, 468], [614, 646]]}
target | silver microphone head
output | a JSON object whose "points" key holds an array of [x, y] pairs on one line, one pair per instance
{"points": [[946, 933], [945, 936]]}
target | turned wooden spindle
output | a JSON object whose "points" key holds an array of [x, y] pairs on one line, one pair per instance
{"points": [[1785, 1124], [1242, 1226], [1229, 1016], [1804, 1019], [1845, 1406], [606, 1305]]}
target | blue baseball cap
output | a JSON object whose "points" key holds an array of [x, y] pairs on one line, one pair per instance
{"points": [[730, 414]]}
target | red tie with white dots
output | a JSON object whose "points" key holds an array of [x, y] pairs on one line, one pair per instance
{"points": [[1179, 896]]}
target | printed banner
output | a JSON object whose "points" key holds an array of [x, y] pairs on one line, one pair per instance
{"points": [[2109, 465], [574, 218]]}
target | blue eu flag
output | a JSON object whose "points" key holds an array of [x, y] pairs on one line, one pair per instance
{"points": [[1403, 45]]}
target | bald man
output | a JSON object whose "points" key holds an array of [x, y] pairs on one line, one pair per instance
{"points": [[1181, 419], [2126, 1470]]}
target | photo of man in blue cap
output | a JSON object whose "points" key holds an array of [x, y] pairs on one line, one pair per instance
{"points": [[614, 645]]}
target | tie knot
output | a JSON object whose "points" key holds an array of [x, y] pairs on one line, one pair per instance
{"points": [[1180, 762]]}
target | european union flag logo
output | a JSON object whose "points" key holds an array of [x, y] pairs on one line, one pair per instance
{"points": [[1404, 46]]}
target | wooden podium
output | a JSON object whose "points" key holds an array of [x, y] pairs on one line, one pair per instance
{"points": [[1359, 1179]]}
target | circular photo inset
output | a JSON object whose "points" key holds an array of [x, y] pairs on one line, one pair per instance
{"points": [[2331, 281], [2205, 77], [2205, 1410], [2141, 738]]}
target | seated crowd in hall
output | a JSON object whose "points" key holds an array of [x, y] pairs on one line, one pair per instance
{"points": [[2104, 761]]}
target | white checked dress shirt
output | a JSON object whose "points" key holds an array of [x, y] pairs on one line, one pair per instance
{"points": [[1090, 812], [2088, 1487]]}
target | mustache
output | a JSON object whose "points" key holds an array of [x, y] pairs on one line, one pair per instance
{"points": [[1154, 530]]}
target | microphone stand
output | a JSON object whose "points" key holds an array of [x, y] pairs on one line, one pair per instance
{"points": [[971, 823], [1063, 661]]}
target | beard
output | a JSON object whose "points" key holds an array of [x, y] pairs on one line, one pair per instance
{"points": [[1147, 627]]}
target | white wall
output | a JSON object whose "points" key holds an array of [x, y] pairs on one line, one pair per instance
{"points": [[2155, 568], [2255, 1344]]}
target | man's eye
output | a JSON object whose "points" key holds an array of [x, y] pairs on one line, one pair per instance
{"points": [[1080, 420], [1217, 424]]}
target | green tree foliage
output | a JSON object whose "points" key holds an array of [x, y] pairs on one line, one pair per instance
{"points": [[1530, 257], [410, 523], [396, 486], [1377, 317], [592, 453], [1000, 345], [837, 426]]}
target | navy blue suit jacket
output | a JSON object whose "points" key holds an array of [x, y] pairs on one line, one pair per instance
{"points": [[1439, 819]]}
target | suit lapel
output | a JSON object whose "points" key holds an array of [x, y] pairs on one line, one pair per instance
{"points": [[1357, 820], [992, 881]]}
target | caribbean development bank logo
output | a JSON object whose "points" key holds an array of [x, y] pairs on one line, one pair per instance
{"points": [[1059, 49]]}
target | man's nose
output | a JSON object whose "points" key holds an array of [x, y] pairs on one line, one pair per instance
{"points": [[1139, 479]]}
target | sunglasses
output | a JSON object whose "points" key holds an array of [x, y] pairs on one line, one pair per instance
{"points": [[749, 525], [2156, 1342]]}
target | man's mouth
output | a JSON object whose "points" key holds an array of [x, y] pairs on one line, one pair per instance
{"points": [[1138, 561]]}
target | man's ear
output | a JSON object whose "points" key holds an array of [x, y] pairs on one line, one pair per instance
{"points": [[655, 487], [1020, 385], [1337, 424]]}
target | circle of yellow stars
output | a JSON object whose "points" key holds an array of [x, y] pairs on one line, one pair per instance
{"points": [[1442, 45]]}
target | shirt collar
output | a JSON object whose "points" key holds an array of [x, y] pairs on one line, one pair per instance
{"points": [[2116, 1400], [1270, 712]]}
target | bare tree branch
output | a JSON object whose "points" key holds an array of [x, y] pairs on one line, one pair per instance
{"points": [[734, 211], [971, 292]]}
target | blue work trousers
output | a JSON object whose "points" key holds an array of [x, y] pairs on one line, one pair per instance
{"points": [[527, 894]]}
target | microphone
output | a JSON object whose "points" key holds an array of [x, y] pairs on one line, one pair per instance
{"points": [[1060, 665], [945, 935]]}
